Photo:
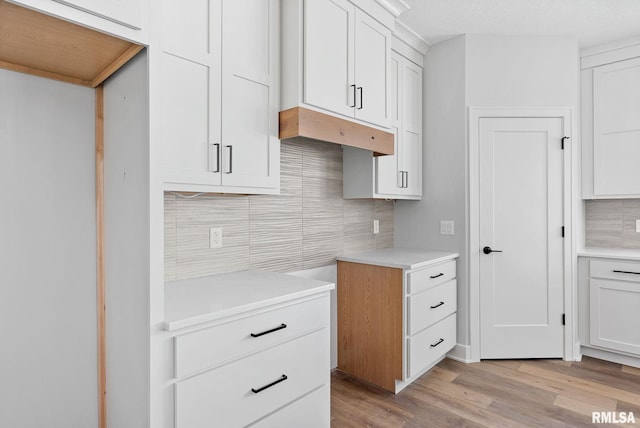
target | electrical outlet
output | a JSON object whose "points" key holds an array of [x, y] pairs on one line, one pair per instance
{"points": [[376, 226], [446, 227], [638, 225], [215, 237]]}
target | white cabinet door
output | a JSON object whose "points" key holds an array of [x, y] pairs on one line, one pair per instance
{"points": [[388, 178], [123, 12], [219, 96], [615, 315], [410, 146], [616, 129], [328, 55], [250, 142], [372, 50], [189, 94]]}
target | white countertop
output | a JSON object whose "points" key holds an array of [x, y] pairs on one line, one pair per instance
{"points": [[197, 300], [610, 253], [402, 258]]}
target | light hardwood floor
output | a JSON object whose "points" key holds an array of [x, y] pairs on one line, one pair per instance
{"points": [[494, 393]]}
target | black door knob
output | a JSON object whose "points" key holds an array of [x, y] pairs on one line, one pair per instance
{"points": [[488, 250]]}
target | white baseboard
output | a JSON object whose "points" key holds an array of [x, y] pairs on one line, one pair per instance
{"points": [[610, 356], [461, 353]]}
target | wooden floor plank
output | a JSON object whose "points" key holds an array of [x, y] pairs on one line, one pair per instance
{"points": [[497, 393]]}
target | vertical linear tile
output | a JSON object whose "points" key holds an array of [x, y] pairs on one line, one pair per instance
{"points": [[630, 213], [358, 225], [170, 236], [604, 220], [384, 213]]}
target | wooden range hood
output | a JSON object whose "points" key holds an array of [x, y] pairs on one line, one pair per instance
{"points": [[34, 43], [302, 122]]}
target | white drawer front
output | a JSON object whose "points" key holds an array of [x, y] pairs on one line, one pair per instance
{"points": [[430, 277], [311, 411], [431, 344], [223, 397], [430, 306], [615, 269], [615, 315], [222, 343]]}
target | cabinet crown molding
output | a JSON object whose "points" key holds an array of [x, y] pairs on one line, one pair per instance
{"points": [[410, 37], [396, 7]]}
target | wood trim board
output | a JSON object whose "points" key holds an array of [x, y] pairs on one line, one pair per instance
{"points": [[100, 262], [303, 122]]}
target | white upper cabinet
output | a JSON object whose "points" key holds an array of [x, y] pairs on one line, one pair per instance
{"points": [[397, 176], [122, 18], [372, 50], [335, 58], [218, 100], [611, 130]]}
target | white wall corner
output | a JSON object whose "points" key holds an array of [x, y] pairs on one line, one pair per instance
{"points": [[410, 37], [396, 7], [461, 353]]}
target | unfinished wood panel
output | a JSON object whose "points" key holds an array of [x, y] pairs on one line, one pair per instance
{"points": [[302, 122], [370, 322], [100, 256], [38, 44]]}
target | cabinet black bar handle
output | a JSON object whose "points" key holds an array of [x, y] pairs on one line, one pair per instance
{"points": [[437, 306], [360, 89], [230, 159], [280, 327], [437, 343], [626, 271], [282, 379], [354, 95], [436, 276]]}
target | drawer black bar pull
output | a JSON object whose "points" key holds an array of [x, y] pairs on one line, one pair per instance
{"points": [[282, 379], [626, 271], [280, 327], [437, 306], [437, 343], [436, 276]]}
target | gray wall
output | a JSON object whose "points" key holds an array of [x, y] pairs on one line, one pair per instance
{"points": [[304, 227], [476, 71], [48, 364], [612, 223]]}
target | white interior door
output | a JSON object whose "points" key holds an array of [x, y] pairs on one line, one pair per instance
{"points": [[521, 215]]}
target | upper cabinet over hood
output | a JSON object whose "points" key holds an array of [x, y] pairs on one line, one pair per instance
{"points": [[335, 67]]}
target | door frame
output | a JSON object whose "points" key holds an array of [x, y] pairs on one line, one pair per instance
{"points": [[571, 344]]}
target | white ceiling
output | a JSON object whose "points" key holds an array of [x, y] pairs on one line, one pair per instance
{"points": [[594, 22]]}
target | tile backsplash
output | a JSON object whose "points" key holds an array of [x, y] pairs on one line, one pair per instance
{"points": [[612, 223], [304, 227]]}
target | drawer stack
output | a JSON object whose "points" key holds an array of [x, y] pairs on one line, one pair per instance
{"points": [[396, 314], [431, 321], [266, 368]]}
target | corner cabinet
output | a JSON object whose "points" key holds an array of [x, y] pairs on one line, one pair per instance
{"points": [[218, 96], [609, 294], [336, 59], [611, 130], [397, 176], [396, 314]]}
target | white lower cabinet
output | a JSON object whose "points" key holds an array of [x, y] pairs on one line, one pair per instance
{"points": [[615, 305], [268, 366], [248, 389], [609, 297]]}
